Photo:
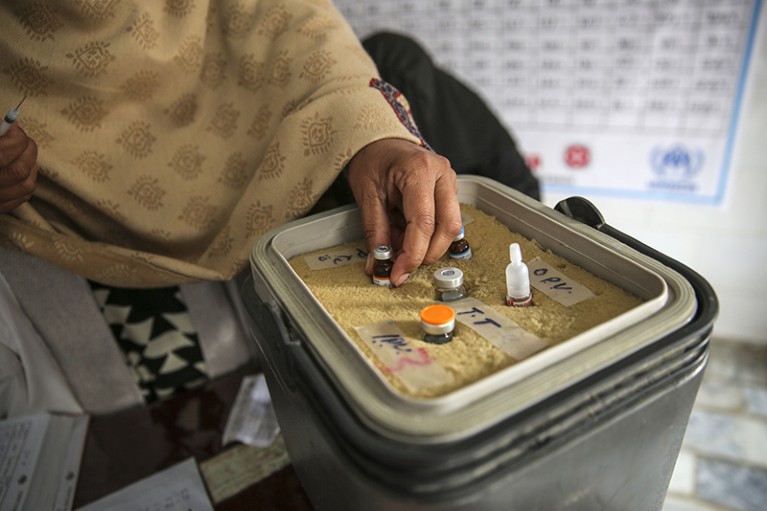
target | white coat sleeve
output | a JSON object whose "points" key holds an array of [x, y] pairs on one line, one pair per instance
{"points": [[30, 379]]}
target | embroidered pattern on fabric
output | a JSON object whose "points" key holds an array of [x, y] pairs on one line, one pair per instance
{"points": [[395, 99]]}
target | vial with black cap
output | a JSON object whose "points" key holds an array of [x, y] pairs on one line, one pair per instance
{"points": [[460, 248], [384, 256]]}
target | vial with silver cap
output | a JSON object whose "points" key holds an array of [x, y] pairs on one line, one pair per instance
{"points": [[459, 248], [384, 256], [449, 284], [517, 279]]}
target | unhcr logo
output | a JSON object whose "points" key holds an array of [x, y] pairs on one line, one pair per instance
{"points": [[676, 168]]}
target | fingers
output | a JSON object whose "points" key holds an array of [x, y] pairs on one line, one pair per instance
{"points": [[408, 199], [18, 168], [448, 216], [369, 194], [12, 145], [7, 207], [432, 213]]}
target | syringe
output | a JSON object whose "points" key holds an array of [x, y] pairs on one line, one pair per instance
{"points": [[10, 118]]}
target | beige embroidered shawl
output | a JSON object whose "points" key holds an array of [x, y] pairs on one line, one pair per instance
{"points": [[173, 133]]}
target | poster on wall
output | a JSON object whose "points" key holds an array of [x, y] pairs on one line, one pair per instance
{"points": [[623, 98]]}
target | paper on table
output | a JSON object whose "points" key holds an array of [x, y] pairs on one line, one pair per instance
{"points": [[71, 464], [235, 469], [40, 461], [178, 488], [252, 420], [20, 442]]}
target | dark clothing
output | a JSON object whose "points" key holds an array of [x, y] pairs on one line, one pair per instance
{"points": [[454, 121]]}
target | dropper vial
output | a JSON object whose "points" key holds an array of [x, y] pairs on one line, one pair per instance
{"points": [[517, 279]]}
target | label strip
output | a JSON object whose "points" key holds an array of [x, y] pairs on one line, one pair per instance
{"points": [[340, 257], [502, 332], [555, 284], [400, 356]]}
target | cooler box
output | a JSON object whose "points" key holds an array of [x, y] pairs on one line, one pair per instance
{"points": [[593, 423]]}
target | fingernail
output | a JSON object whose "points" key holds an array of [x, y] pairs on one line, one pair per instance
{"points": [[401, 280]]}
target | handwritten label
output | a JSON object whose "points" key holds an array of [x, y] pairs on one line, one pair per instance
{"points": [[555, 284], [339, 257], [401, 356], [502, 332]]}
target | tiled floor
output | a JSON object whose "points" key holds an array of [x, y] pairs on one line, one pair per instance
{"points": [[723, 462]]}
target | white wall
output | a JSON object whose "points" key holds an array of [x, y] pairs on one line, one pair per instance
{"points": [[726, 244]]}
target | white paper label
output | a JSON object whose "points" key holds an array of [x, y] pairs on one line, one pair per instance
{"points": [[178, 488], [71, 468], [401, 356], [502, 332], [555, 284], [340, 257], [252, 420], [21, 439]]}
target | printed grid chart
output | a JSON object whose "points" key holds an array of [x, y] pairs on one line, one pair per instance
{"points": [[626, 97]]}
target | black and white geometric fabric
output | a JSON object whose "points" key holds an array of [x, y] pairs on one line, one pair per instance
{"points": [[155, 333]]}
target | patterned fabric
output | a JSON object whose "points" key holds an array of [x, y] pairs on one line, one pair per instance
{"points": [[153, 330], [400, 106], [173, 133]]}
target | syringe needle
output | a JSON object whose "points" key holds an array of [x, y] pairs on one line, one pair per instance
{"points": [[10, 118]]}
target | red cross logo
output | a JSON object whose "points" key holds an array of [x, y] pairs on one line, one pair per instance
{"points": [[577, 156]]}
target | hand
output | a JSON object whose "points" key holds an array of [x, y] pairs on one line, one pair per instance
{"points": [[18, 168], [408, 199]]}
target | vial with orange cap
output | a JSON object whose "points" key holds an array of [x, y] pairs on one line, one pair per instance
{"points": [[437, 323]]}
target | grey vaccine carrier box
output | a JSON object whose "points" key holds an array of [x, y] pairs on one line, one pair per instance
{"points": [[593, 423]]}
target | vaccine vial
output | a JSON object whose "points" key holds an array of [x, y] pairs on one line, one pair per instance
{"points": [[449, 284], [517, 279], [459, 248], [437, 323], [384, 256]]}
